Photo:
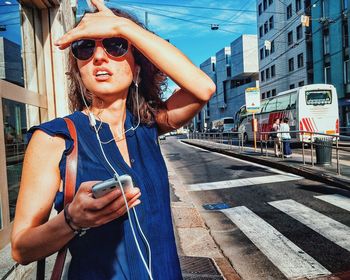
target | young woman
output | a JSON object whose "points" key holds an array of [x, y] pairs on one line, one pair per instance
{"points": [[117, 69]]}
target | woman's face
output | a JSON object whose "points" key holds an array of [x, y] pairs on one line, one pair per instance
{"points": [[106, 76]]}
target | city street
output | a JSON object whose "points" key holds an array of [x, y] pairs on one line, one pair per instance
{"points": [[268, 223]]}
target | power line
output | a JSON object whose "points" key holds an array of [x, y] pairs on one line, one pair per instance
{"points": [[197, 16], [190, 7], [186, 20]]}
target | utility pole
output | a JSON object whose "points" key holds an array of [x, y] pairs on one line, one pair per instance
{"points": [[146, 19]]}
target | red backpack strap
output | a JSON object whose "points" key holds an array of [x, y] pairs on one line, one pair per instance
{"points": [[70, 181]]}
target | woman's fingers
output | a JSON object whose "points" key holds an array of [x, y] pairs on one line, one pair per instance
{"points": [[99, 5]]}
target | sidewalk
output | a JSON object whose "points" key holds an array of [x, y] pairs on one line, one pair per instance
{"points": [[324, 174], [200, 256]]}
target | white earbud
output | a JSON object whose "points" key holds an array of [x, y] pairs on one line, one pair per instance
{"points": [[92, 119], [137, 78]]}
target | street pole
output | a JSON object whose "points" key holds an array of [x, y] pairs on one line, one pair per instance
{"points": [[146, 19], [254, 131]]}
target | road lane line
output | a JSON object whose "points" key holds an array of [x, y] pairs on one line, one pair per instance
{"points": [[243, 182], [291, 260], [327, 227], [238, 159], [337, 200]]}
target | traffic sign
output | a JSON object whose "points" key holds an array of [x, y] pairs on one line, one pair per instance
{"points": [[252, 99]]}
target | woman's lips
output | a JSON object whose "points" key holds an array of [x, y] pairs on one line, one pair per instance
{"points": [[102, 78]]}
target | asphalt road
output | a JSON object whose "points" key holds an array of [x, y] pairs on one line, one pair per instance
{"points": [[269, 224]]}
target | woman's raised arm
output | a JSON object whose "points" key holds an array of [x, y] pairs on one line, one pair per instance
{"points": [[196, 88]]}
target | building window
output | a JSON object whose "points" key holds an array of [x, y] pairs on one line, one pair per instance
{"points": [[262, 77], [300, 60], [301, 83], [228, 71], [326, 42], [299, 32], [273, 92], [289, 11], [266, 27], [345, 34], [263, 95], [271, 23], [290, 38], [267, 73], [268, 94], [272, 46], [291, 86], [260, 9], [346, 72], [261, 53], [291, 64], [345, 5], [213, 67], [261, 31], [297, 5], [267, 52], [327, 74], [273, 71], [265, 5], [270, 2]]}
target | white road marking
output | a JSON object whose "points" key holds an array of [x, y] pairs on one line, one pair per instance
{"points": [[243, 182], [240, 160], [337, 200], [292, 261], [327, 227]]}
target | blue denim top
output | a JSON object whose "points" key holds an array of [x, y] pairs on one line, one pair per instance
{"points": [[109, 251]]}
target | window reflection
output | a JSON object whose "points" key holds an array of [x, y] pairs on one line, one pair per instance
{"points": [[11, 63], [16, 124]]}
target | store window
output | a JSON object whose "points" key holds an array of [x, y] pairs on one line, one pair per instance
{"points": [[16, 124], [11, 69]]}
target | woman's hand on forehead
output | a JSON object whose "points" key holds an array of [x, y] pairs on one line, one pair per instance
{"points": [[102, 24]]}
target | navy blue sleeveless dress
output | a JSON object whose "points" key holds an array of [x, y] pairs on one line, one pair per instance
{"points": [[109, 251]]}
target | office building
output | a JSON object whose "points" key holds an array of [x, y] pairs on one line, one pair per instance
{"points": [[283, 45], [233, 69], [330, 40]]}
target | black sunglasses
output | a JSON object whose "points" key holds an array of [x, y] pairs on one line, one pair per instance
{"points": [[84, 49]]}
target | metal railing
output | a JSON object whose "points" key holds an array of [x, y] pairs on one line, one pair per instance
{"points": [[307, 139], [231, 138]]}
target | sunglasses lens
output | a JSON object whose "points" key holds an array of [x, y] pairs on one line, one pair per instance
{"points": [[83, 49], [115, 46]]}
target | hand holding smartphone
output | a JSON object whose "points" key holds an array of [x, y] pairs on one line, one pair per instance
{"points": [[102, 188]]}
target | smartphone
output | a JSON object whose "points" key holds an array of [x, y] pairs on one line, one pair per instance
{"points": [[102, 188]]}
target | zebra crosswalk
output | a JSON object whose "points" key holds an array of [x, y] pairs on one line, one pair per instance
{"points": [[290, 259]]}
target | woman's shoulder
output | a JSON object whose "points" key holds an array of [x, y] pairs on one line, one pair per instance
{"points": [[54, 127]]}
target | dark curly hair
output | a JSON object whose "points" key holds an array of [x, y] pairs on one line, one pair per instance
{"points": [[151, 88]]}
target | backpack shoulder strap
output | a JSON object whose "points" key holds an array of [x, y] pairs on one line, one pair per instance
{"points": [[70, 181]]}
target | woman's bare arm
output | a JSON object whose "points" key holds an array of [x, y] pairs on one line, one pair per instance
{"points": [[33, 236]]}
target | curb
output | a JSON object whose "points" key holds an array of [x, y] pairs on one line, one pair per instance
{"points": [[314, 175]]}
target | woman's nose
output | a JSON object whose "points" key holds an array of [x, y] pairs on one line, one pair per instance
{"points": [[100, 53]]}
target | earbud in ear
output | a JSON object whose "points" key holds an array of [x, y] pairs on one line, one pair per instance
{"points": [[137, 78]]}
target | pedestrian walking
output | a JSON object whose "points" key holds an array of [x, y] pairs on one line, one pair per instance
{"points": [[285, 137], [275, 137], [117, 70]]}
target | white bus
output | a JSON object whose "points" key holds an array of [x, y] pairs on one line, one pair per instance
{"points": [[311, 108], [224, 125]]}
